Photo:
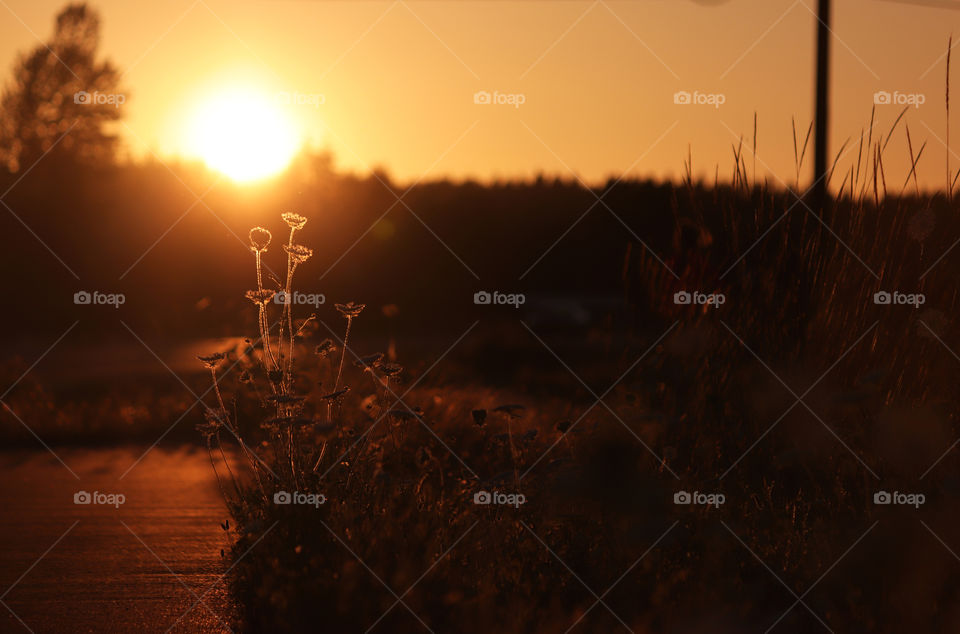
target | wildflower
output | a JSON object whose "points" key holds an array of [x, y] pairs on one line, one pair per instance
{"points": [[211, 361], [369, 362], [350, 309], [335, 396], [262, 297], [298, 252], [326, 347], [295, 221], [259, 239], [391, 369]]}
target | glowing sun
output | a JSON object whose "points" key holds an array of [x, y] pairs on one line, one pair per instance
{"points": [[242, 134]]}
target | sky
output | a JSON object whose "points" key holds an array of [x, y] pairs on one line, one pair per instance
{"points": [[577, 88]]}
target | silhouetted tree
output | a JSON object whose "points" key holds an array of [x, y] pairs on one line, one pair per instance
{"points": [[60, 90]]}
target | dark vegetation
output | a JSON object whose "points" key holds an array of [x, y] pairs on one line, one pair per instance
{"points": [[692, 399]]}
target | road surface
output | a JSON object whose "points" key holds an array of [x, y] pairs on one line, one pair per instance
{"points": [[153, 564]]}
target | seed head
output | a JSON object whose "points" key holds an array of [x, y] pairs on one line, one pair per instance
{"points": [[391, 369], [350, 309], [262, 296], [211, 361], [369, 362], [260, 239], [326, 347], [295, 221], [335, 396], [298, 253]]}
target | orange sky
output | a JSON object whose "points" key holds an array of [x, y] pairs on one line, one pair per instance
{"points": [[597, 79]]}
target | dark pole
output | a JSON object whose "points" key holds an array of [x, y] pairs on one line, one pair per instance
{"points": [[823, 103]]}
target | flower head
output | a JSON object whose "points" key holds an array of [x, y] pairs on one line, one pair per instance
{"points": [[326, 347], [391, 369], [336, 396], [298, 252], [211, 361], [369, 362], [350, 309], [259, 239], [263, 296], [295, 221]]}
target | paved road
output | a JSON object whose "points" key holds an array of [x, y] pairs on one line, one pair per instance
{"points": [[140, 568]]}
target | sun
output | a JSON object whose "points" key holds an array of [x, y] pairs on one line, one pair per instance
{"points": [[242, 134]]}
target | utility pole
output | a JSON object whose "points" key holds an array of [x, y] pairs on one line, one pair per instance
{"points": [[823, 102]]}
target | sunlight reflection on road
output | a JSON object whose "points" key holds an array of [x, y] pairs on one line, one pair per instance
{"points": [[100, 576]]}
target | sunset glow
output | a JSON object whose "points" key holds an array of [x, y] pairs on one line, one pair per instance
{"points": [[242, 134]]}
